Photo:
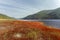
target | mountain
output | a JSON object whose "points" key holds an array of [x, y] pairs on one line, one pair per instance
{"points": [[45, 14], [2, 16]]}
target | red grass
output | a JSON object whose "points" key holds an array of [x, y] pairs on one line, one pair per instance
{"points": [[53, 32]]}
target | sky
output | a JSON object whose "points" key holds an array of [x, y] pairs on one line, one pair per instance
{"points": [[22, 8]]}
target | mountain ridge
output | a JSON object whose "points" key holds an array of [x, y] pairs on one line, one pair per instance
{"points": [[45, 14]]}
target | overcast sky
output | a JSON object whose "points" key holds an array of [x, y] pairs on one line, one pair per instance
{"points": [[22, 8]]}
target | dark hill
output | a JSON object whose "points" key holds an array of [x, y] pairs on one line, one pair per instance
{"points": [[45, 14]]}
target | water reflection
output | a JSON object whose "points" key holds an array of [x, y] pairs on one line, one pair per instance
{"points": [[50, 22], [54, 23]]}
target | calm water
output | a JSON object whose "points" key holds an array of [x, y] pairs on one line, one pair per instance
{"points": [[50, 22], [54, 23]]}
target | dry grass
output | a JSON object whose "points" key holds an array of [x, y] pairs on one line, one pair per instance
{"points": [[41, 31]]}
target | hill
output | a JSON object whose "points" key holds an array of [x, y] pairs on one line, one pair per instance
{"points": [[45, 14], [2, 16]]}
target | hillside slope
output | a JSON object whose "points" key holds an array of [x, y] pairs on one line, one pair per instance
{"points": [[2, 16], [45, 14]]}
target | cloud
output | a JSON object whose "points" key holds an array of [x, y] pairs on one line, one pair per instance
{"points": [[22, 8]]}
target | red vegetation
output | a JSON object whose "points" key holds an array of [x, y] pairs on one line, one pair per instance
{"points": [[14, 26]]}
